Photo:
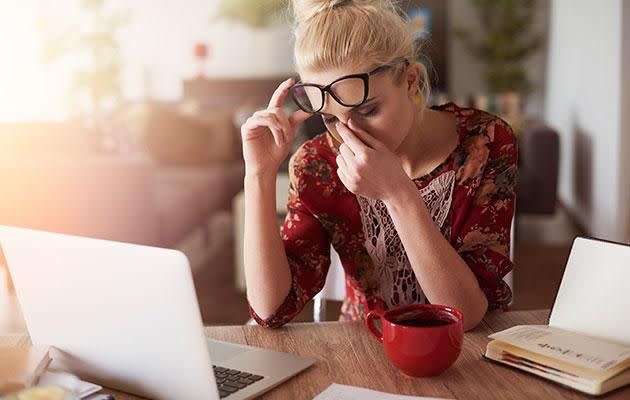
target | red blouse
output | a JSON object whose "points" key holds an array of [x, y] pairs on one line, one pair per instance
{"points": [[470, 197]]}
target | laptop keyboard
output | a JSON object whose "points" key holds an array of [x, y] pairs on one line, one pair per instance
{"points": [[232, 380]]}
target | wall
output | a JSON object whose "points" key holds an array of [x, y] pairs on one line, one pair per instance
{"points": [[465, 72], [158, 47], [584, 104], [624, 178]]}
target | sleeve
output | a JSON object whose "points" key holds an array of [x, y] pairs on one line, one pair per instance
{"points": [[306, 244], [484, 238]]}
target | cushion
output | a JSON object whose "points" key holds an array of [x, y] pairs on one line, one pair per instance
{"points": [[175, 138]]}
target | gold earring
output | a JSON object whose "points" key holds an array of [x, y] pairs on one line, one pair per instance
{"points": [[418, 98]]}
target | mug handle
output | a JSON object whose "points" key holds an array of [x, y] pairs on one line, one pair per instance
{"points": [[369, 323]]}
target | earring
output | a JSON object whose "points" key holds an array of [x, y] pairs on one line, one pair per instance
{"points": [[418, 99]]}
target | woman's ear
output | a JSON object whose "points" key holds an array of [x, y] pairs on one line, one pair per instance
{"points": [[412, 80]]}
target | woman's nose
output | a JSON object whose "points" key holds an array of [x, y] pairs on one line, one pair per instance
{"points": [[340, 112]]}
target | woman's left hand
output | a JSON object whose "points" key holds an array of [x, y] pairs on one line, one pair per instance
{"points": [[366, 166]]}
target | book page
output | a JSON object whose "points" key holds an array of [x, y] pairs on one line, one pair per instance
{"points": [[594, 295], [344, 392], [571, 347]]}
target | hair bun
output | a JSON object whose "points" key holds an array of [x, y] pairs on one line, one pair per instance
{"points": [[303, 10]]}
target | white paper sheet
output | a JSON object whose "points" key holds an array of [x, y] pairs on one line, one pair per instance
{"points": [[345, 392]]}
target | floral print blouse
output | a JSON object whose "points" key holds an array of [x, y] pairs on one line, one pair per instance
{"points": [[470, 197]]}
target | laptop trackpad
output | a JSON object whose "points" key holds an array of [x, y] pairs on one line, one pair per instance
{"points": [[223, 351]]}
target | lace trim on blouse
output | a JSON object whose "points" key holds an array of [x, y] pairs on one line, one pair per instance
{"points": [[398, 283]]}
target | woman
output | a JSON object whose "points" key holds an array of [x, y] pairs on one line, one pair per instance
{"points": [[417, 201]]}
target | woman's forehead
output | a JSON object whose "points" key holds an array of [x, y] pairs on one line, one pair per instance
{"points": [[327, 76]]}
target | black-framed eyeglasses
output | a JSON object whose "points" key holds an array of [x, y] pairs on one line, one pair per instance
{"points": [[349, 91]]}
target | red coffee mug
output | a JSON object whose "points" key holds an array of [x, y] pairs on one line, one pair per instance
{"points": [[420, 339]]}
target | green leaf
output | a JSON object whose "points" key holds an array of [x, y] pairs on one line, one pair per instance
{"points": [[506, 41], [101, 79], [253, 13]]}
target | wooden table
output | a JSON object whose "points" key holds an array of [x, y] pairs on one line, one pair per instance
{"points": [[347, 354]]}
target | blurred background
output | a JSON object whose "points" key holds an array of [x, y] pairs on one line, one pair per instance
{"points": [[120, 120]]}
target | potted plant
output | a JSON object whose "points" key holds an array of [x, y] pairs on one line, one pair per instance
{"points": [[506, 42], [253, 13], [95, 85], [252, 38], [99, 79]]}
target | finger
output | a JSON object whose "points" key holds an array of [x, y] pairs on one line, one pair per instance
{"points": [[346, 152], [343, 178], [351, 161], [262, 121], [347, 181], [282, 119], [298, 117], [276, 112], [266, 121], [365, 137], [280, 129], [278, 135], [279, 118], [350, 138], [278, 97], [341, 163], [337, 140]]}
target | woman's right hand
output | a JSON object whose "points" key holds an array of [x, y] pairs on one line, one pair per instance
{"points": [[268, 134]]}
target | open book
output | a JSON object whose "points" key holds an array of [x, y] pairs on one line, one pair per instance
{"points": [[586, 363], [586, 345]]}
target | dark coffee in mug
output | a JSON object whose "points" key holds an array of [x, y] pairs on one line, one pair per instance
{"points": [[423, 318], [423, 322]]}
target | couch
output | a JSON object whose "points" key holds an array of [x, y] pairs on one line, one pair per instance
{"points": [[539, 163], [55, 176]]}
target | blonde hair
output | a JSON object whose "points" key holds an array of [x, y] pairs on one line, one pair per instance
{"points": [[354, 33]]}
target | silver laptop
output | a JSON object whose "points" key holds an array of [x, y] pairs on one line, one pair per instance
{"points": [[126, 316]]}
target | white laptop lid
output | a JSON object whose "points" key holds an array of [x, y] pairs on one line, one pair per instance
{"points": [[124, 316], [594, 296]]}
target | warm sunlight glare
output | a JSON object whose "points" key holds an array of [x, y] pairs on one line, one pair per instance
{"points": [[28, 90]]}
